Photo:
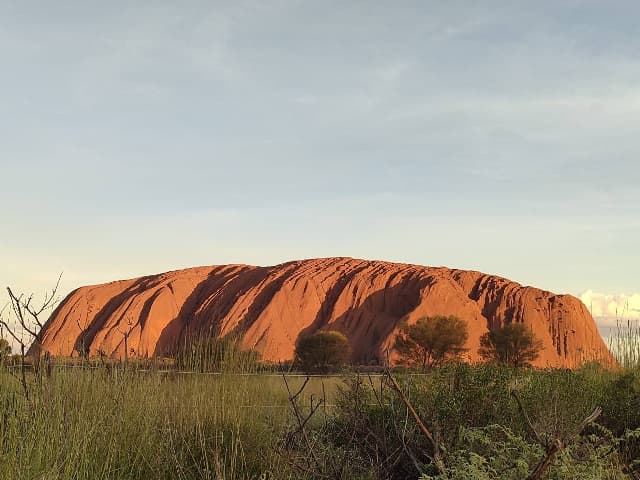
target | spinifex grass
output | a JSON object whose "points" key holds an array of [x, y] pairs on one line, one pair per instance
{"points": [[122, 423]]}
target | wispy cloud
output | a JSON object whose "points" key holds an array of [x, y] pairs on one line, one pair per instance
{"points": [[607, 308]]}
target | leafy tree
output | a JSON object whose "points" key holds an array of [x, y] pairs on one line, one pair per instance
{"points": [[431, 341], [5, 349], [514, 344], [322, 352]]}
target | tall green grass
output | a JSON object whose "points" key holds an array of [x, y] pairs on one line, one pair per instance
{"points": [[138, 420], [625, 343], [124, 424], [210, 354]]}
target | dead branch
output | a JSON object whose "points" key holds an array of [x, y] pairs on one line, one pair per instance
{"points": [[302, 421], [527, 420], [405, 447], [23, 308], [27, 322], [437, 456], [558, 445], [6, 327], [589, 420], [125, 334], [545, 463]]}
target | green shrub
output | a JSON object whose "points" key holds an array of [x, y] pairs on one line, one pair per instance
{"points": [[473, 412], [490, 453], [622, 402], [496, 453], [322, 352]]}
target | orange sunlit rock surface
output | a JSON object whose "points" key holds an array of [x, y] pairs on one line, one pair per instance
{"points": [[268, 308]]}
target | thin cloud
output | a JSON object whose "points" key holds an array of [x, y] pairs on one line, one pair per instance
{"points": [[608, 308]]}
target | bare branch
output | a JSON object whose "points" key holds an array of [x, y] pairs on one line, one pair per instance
{"points": [[558, 445], [525, 416], [17, 305], [10, 330], [437, 457], [589, 420], [545, 463], [49, 301], [294, 397], [302, 421]]}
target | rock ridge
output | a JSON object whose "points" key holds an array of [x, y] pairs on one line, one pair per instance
{"points": [[268, 308]]}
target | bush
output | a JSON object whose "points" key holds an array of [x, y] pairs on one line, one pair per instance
{"points": [[482, 432], [490, 453], [496, 453], [322, 352], [514, 344], [432, 341], [623, 395]]}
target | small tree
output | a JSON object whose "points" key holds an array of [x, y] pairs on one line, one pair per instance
{"points": [[514, 344], [5, 350], [322, 352], [431, 341]]}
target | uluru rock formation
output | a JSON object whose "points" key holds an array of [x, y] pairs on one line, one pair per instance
{"points": [[268, 308]]}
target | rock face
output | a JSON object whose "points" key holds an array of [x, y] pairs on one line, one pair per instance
{"points": [[268, 308]]}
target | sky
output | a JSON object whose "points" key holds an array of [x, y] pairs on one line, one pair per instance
{"points": [[138, 137]]}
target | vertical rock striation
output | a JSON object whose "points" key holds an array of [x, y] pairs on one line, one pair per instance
{"points": [[268, 308]]}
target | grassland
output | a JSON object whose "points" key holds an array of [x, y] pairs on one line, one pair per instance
{"points": [[142, 422], [127, 424]]}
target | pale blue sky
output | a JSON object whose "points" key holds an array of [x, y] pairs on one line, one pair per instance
{"points": [[139, 137]]}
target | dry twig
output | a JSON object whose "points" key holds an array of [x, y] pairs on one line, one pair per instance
{"points": [[435, 445]]}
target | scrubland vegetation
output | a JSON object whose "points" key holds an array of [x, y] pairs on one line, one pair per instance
{"points": [[216, 412], [144, 421]]}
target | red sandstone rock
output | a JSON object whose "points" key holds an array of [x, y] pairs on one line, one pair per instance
{"points": [[269, 307]]}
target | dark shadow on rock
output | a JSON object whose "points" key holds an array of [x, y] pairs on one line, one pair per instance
{"points": [[267, 292], [87, 336], [227, 284], [331, 297], [369, 324]]}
